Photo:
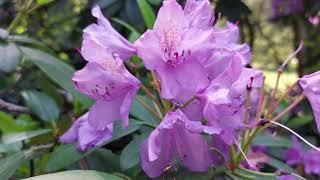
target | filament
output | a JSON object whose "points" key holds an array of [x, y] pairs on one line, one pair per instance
{"points": [[296, 134]]}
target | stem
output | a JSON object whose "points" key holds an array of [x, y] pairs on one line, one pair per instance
{"points": [[148, 93], [258, 173], [275, 105], [188, 102], [145, 123], [148, 108], [289, 108], [248, 177], [273, 95], [16, 21]]}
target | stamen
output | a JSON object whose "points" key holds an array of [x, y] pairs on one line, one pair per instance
{"points": [[244, 155]]}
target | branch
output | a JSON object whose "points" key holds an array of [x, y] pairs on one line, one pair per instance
{"points": [[13, 108]]}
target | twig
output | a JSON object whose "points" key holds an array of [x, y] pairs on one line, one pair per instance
{"points": [[13, 108]]}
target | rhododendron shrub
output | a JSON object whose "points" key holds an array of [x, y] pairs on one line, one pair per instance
{"points": [[209, 105], [179, 100]]}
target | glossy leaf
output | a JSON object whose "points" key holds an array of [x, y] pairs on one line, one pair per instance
{"points": [[9, 165], [271, 141], [77, 175], [57, 70], [10, 57], [42, 105], [147, 13], [130, 155], [8, 123], [140, 112], [16, 137]]}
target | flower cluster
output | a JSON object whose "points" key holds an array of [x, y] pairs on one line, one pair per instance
{"points": [[286, 7], [296, 155], [202, 71]]}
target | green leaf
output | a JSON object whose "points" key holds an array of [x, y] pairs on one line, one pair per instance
{"points": [[57, 70], [8, 124], [65, 155], [16, 137], [41, 104], [134, 35], [140, 112], [280, 165], [10, 57], [97, 161], [43, 2], [155, 2], [130, 156], [7, 148], [271, 141], [300, 121], [9, 165], [147, 13], [77, 175], [25, 39]]}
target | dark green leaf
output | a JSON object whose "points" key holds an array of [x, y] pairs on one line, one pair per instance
{"points": [[7, 148], [42, 105], [140, 112], [271, 141], [9, 165], [8, 124], [300, 121], [147, 13], [130, 155], [97, 161], [155, 2], [25, 39], [10, 57], [57, 70], [77, 175], [16, 137], [66, 155], [279, 165], [134, 35]]}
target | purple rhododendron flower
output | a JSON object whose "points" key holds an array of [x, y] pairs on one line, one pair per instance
{"points": [[85, 135], [311, 88], [312, 162], [176, 134], [185, 51], [104, 79], [101, 40], [286, 7], [225, 98], [294, 155], [172, 49]]}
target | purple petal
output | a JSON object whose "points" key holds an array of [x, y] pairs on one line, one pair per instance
{"points": [[105, 39], [85, 135], [312, 162], [149, 50], [192, 149], [156, 153], [182, 81], [199, 13], [294, 155], [311, 88], [102, 113]]}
